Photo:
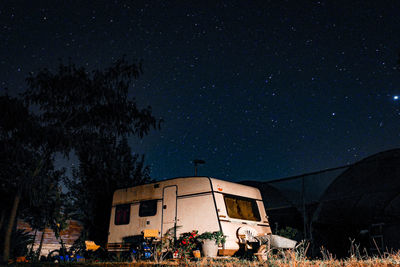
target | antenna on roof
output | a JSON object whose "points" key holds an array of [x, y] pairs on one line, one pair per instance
{"points": [[197, 162]]}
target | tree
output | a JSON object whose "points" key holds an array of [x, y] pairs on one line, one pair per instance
{"points": [[91, 112], [21, 160], [104, 166], [73, 108], [78, 105], [46, 206]]}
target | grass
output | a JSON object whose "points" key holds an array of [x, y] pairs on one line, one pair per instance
{"points": [[291, 259]]}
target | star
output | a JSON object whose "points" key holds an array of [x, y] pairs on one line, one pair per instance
{"points": [[230, 85]]}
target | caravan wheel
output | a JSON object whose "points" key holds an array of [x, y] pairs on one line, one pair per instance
{"points": [[262, 253]]}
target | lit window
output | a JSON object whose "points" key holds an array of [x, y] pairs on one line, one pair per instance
{"points": [[242, 208]]}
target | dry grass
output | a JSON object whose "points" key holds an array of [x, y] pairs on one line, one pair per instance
{"points": [[290, 259], [294, 258]]}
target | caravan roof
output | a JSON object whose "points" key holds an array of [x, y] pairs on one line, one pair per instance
{"points": [[186, 186]]}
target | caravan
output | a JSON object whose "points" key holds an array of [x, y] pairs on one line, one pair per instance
{"points": [[193, 203]]}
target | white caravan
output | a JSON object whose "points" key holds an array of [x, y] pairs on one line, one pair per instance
{"points": [[193, 203]]}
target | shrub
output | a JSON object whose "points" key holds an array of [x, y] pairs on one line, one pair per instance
{"points": [[187, 242], [217, 236]]}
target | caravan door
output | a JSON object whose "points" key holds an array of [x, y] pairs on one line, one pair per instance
{"points": [[169, 208]]}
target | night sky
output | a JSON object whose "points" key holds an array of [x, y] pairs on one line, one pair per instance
{"points": [[258, 89]]}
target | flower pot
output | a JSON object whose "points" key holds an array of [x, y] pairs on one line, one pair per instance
{"points": [[210, 248]]}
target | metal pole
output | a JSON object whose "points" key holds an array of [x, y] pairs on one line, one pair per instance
{"points": [[304, 208], [195, 163]]}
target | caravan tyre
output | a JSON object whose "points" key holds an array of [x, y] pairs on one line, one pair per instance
{"points": [[262, 253]]}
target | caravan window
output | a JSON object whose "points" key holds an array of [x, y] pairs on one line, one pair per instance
{"points": [[242, 208], [122, 214], [148, 208]]}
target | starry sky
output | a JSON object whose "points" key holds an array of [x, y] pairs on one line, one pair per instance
{"points": [[258, 89]]}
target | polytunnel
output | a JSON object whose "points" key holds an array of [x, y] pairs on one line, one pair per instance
{"points": [[362, 204], [357, 203]]}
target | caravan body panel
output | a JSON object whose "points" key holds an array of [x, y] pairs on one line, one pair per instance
{"points": [[191, 203]]}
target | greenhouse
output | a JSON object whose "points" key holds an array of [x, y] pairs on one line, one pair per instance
{"points": [[358, 202]]}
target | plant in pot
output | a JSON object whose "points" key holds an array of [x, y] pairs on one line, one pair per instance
{"points": [[186, 243], [211, 242]]}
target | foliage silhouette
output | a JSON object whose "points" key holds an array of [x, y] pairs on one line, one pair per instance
{"points": [[75, 110], [93, 113], [22, 162], [104, 167]]}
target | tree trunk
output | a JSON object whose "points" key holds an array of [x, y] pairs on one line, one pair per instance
{"points": [[3, 216], [10, 225], [33, 243], [62, 250], [40, 244]]}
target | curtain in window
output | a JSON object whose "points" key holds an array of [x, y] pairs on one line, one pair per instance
{"points": [[241, 208], [232, 207]]}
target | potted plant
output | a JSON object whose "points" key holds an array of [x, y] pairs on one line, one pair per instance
{"points": [[186, 243], [211, 241]]}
